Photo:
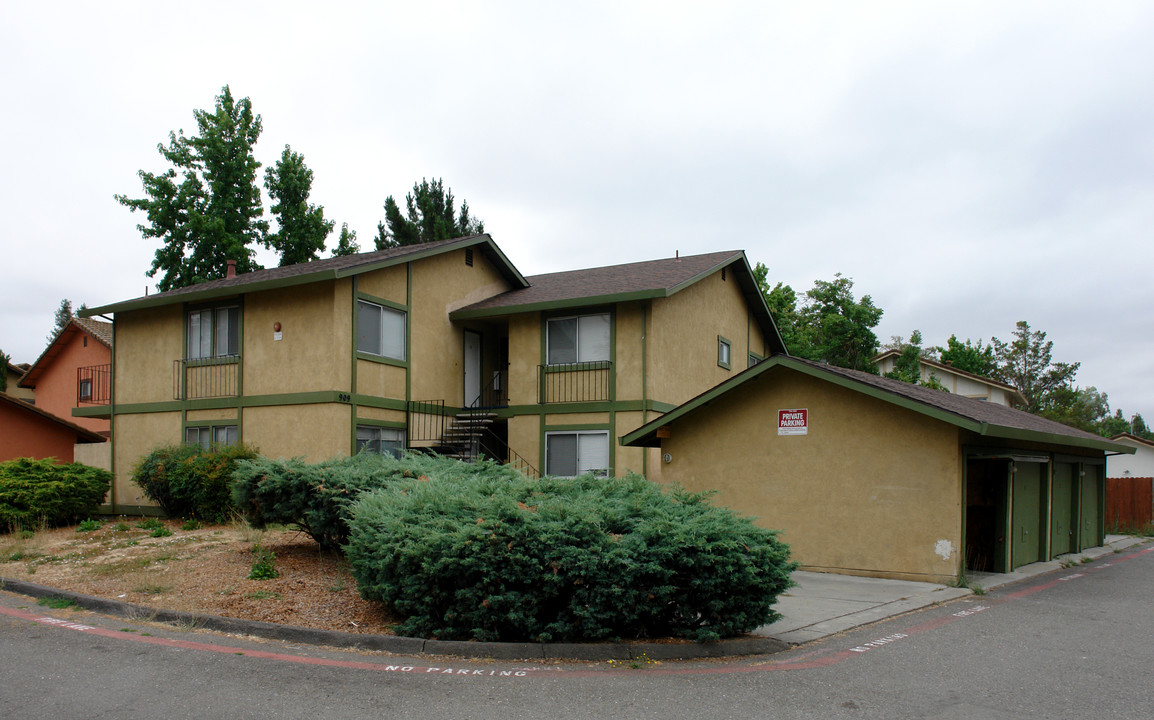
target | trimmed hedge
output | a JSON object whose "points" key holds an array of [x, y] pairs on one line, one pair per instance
{"points": [[317, 498], [40, 491], [491, 557], [187, 481]]}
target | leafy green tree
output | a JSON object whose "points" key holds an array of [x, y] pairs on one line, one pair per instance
{"points": [[1025, 362], [1138, 427], [830, 327], [347, 243], [974, 358], [431, 216], [206, 208], [908, 363], [1114, 425], [838, 329], [782, 302], [1083, 408], [301, 227]]}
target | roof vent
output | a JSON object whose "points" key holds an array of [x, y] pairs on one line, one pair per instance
{"points": [[231, 272], [676, 256]]}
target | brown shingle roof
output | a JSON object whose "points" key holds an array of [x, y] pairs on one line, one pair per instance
{"points": [[978, 411], [315, 271], [977, 416], [652, 278]]}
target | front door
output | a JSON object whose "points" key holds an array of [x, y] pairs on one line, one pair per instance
{"points": [[472, 368], [1063, 522]]}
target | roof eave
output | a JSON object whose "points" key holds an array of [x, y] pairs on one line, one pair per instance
{"points": [[506, 268], [549, 305], [645, 436]]}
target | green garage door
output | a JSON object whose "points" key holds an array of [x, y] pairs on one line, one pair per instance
{"points": [[1064, 518], [1029, 529], [1091, 520]]}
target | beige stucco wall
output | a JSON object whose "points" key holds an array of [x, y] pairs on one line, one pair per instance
{"points": [[192, 417], [683, 333], [389, 283], [872, 489], [442, 284], [314, 432], [524, 357], [147, 344], [97, 455], [314, 351], [133, 437], [525, 439]]}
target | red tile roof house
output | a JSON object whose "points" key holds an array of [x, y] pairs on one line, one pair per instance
{"points": [[29, 431], [74, 371]]}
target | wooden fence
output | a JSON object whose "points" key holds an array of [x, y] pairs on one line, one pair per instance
{"points": [[1129, 503]]}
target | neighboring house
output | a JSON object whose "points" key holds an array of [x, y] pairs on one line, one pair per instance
{"points": [[1140, 464], [871, 476], [74, 372], [959, 382], [383, 350], [29, 431], [15, 373]]}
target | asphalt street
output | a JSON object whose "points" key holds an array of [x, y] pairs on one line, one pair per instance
{"points": [[1073, 643]]}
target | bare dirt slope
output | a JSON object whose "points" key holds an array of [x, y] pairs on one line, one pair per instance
{"points": [[203, 570]]}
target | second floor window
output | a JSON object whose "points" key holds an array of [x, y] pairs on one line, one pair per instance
{"points": [[380, 330], [584, 338], [214, 332]]}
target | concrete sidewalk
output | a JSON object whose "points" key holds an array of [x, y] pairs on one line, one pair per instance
{"points": [[824, 604]]}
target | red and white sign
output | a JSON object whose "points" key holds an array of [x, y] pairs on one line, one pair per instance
{"points": [[793, 422]]}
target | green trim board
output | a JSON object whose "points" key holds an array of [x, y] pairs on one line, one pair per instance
{"points": [[645, 436], [383, 360], [381, 301], [379, 423], [312, 272]]}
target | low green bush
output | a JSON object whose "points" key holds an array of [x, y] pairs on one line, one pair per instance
{"points": [[40, 491], [317, 498], [187, 481], [488, 556]]}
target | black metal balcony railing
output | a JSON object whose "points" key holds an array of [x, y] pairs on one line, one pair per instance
{"points": [[94, 385], [426, 423], [574, 382], [205, 378], [495, 394]]}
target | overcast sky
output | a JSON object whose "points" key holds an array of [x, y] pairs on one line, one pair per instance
{"points": [[968, 164]]}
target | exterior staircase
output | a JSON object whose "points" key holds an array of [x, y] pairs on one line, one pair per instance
{"points": [[463, 439]]}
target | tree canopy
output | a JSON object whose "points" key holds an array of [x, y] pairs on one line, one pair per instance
{"points": [[206, 208], [831, 326], [974, 358], [347, 242], [1026, 363], [301, 227], [430, 216]]}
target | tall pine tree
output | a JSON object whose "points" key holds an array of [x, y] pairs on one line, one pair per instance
{"points": [[431, 216]]}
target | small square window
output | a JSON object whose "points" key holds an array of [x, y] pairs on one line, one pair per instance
{"points": [[724, 352], [380, 440], [380, 330]]}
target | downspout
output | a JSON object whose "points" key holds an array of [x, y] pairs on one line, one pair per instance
{"points": [[112, 418], [644, 389]]}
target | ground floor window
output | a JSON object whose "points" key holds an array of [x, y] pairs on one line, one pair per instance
{"points": [[380, 440], [568, 454], [206, 436]]}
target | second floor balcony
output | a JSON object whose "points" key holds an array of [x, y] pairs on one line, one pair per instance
{"points": [[574, 382], [94, 385], [206, 378]]}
